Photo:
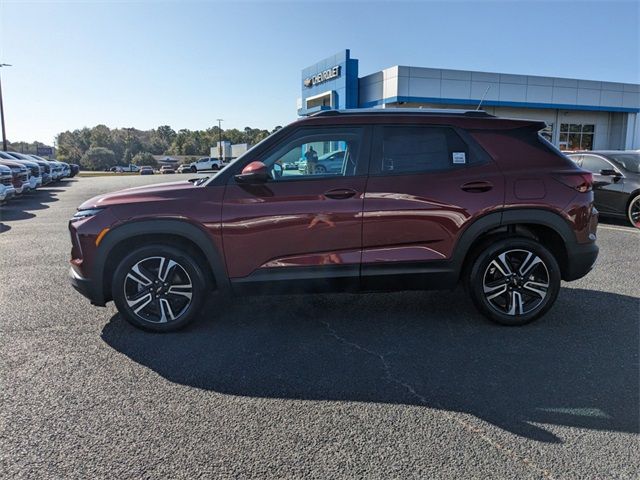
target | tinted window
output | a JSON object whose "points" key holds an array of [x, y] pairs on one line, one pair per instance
{"points": [[594, 164], [422, 149]]}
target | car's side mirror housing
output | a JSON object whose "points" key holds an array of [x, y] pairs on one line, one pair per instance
{"points": [[255, 172], [609, 172]]}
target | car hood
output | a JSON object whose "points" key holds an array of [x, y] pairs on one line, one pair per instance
{"points": [[162, 191]]}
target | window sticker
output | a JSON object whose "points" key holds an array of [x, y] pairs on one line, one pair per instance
{"points": [[459, 158]]}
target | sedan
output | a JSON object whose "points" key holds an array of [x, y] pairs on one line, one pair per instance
{"points": [[616, 181], [146, 170]]}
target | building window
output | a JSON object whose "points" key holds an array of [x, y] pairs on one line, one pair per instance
{"points": [[547, 132], [576, 136]]}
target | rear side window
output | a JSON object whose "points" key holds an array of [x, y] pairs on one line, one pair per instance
{"points": [[413, 149], [594, 164]]}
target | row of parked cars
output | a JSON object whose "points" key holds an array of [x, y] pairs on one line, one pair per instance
{"points": [[21, 173]]}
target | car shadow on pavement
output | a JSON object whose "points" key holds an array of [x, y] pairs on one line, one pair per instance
{"points": [[577, 367], [20, 208]]}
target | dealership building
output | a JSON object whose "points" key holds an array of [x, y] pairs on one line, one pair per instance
{"points": [[580, 114]]}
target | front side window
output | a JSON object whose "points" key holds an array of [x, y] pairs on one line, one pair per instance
{"points": [[576, 136], [628, 161], [422, 149], [316, 152]]}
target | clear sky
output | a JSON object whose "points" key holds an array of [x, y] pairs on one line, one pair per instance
{"points": [[143, 64]]}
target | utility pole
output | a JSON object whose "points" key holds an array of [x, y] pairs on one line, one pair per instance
{"points": [[219, 139], [4, 133]]}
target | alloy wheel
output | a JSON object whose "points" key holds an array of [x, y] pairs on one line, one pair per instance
{"points": [[516, 282], [634, 212], [158, 290]]}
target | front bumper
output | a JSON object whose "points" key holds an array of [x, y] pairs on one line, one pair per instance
{"points": [[580, 260], [85, 287], [7, 194]]}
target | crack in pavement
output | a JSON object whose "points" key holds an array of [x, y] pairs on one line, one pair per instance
{"points": [[474, 429]]}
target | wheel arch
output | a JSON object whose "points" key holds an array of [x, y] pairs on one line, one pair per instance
{"points": [[632, 196], [122, 239], [547, 227]]}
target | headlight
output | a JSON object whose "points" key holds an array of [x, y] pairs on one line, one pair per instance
{"points": [[80, 214]]}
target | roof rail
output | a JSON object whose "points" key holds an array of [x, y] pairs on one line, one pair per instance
{"points": [[403, 111]]}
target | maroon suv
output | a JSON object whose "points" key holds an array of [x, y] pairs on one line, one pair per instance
{"points": [[419, 199]]}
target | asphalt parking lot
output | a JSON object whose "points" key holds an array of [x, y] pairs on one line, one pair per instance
{"points": [[403, 385]]}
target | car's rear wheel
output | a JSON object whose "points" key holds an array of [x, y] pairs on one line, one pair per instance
{"points": [[159, 288], [321, 169], [514, 281], [633, 212]]}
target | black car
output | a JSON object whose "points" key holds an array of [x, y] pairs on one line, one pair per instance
{"points": [[616, 181]]}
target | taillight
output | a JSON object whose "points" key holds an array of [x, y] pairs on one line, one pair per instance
{"points": [[580, 181]]}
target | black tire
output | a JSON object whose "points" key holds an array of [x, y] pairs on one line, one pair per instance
{"points": [[215, 168], [194, 170], [499, 289], [320, 169], [163, 305], [633, 212]]}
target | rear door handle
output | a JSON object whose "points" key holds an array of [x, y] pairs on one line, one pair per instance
{"points": [[340, 193], [477, 187]]}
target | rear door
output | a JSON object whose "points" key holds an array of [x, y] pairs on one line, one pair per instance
{"points": [[426, 185], [300, 229]]}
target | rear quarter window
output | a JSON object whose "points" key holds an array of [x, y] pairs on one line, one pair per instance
{"points": [[521, 147]]}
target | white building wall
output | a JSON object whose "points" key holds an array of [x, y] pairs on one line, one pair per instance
{"points": [[632, 140], [615, 130]]}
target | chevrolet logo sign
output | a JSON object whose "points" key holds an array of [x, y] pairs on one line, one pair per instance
{"points": [[322, 77]]}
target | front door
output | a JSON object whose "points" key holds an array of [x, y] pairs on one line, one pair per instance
{"points": [[304, 225], [608, 190]]}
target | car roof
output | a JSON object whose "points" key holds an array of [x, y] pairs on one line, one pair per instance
{"points": [[610, 152], [476, 119]]}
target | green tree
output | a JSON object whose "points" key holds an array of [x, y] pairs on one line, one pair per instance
{"points": [[144, 158], [165, 133], [98, 158], [73, 145], [101, 136]]}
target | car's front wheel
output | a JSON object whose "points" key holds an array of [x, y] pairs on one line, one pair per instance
{"points": [[633, 212], [514, 281], [159, 288], [194, 170]]}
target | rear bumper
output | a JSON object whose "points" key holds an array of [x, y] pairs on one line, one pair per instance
{"points": [[580, 260], [85, 287]]}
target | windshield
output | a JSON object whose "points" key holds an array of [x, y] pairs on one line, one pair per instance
{"points": [[628, 161]]}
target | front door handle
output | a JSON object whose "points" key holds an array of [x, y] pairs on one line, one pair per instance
{"points": [[340, 193], [477, 187]]}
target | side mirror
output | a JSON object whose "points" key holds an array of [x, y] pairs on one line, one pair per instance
{"points": [[609, 173], [255, 172]]}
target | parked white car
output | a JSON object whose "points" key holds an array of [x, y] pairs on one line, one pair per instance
{"points": [[206, 163], [127, 168], [6, 184]]}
